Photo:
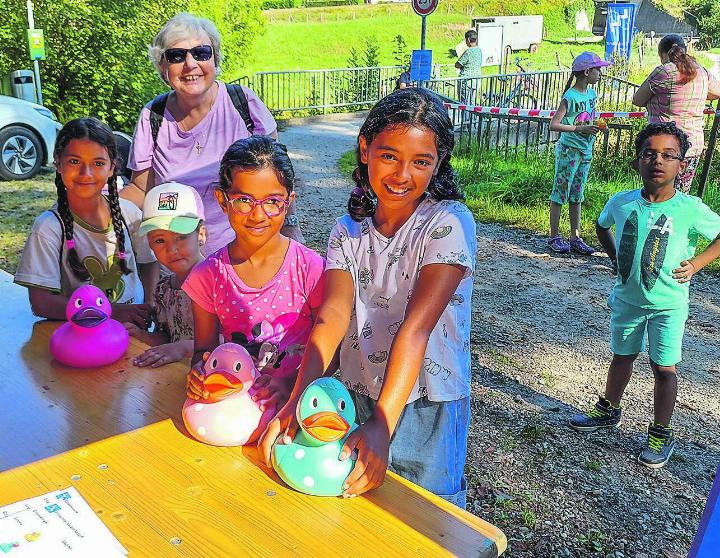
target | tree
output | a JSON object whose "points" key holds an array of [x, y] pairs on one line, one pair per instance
{"points": [[97, 62]]}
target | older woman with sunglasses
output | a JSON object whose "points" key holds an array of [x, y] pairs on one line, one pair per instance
{"points": [[182, 136]]}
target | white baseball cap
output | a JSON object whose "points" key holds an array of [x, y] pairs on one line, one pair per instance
{"points": [[172, 207]]}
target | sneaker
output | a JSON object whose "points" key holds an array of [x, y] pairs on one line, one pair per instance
{"points": [[603, 415], [578, 246], [661, 445], [558, 244]]}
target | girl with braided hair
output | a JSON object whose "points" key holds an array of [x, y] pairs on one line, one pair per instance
{"points": [[88, 238], [398, 284], [677, 91]]}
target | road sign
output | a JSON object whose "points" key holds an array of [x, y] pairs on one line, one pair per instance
{"points": [[424, 7], [421, 65], [36, 44]]}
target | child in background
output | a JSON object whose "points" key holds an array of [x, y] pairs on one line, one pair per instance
{"points": [[654, 259], [262, 290], [173, 222], [398, 286], [88, 238], [573, 152]]}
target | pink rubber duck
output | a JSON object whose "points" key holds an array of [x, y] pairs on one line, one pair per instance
{"points": [[229, 416], [90, 338]]}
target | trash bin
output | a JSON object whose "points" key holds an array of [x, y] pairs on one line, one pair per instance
{"points": [[22, 85]]}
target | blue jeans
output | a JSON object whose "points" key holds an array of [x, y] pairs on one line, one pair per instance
{"points": [[429, 446]]}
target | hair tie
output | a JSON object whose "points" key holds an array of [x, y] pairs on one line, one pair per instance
{"points": [[121, 255], [70, 243]]}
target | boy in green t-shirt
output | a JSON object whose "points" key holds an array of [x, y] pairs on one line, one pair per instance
{"points": [[654, 259]]}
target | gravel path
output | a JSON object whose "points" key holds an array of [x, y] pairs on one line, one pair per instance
{"points": [[554, 492]]}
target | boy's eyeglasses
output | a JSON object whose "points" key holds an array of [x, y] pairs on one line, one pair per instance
{"points": [[201, 53], [272, 205], [649, 155]]}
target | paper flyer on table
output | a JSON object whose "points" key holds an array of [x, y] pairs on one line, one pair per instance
{"points": [[59, 523]]}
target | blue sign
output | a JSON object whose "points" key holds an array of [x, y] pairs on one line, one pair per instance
{"points": [[707, 540], [619, 30], [421, 65]]}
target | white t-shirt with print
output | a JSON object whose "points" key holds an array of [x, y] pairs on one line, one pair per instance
{"points": [[42, 265], [385, 271]]}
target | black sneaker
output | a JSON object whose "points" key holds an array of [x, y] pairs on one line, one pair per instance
{"points": [[661, 445], [603, 415]]}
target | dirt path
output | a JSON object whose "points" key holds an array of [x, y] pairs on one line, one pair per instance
{"points": [[541, 351]]}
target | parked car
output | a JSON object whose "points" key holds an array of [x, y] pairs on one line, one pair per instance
{"points": [[27, 138]]}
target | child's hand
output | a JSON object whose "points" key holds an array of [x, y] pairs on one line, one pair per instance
{"points": [[138, 314], [588, 130], [160, 355], [196, 381], [372, 442], [132, 329], [284, 423], [271, 391], [684, 273]]}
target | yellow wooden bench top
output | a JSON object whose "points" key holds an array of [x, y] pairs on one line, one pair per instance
{"points": [[116, 434]]}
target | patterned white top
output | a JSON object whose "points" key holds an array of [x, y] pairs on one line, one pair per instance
{"points": [[385, 271]]}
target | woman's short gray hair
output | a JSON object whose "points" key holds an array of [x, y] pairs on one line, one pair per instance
{"points": [[184, 26]]}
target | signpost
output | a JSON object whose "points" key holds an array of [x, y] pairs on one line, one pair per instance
{"points": [[36, 46], [423, 8]]}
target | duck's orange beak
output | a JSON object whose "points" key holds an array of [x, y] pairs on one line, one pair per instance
{"points": [[221, 385], [326, 426]]}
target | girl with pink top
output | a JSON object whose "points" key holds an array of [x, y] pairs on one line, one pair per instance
{"points": [[262, 289]]}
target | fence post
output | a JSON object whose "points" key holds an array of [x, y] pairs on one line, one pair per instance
{"points": [[708, 155], [324, 74]]}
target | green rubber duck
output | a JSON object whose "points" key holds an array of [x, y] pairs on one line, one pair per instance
{"points": [[310, 463]]}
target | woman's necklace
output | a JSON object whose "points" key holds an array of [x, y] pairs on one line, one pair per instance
{"points": [[196, 138]]}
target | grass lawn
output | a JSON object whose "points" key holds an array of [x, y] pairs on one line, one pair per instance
{"points": [[515, 192], [317, 38], [21, 202]]}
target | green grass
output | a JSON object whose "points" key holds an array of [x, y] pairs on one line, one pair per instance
{"points": [[20, 203], [514, 192], [316, 38], [347, 162]]}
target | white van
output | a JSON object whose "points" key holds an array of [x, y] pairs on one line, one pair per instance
{"points": [[519, 32]]}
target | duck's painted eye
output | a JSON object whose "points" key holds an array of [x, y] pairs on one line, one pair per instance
{"points": [[99, 301], [238, 366], [341, 404], [314, 402], [78, 302], [213, 363]]}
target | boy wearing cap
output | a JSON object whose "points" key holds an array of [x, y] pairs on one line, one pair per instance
{"points": [[173, 217]]}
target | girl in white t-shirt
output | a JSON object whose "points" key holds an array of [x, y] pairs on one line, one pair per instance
{"points": [[88, 238], [397, 303]]}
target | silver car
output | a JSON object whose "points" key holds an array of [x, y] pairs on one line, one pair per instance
{"points": [[27, 138]]}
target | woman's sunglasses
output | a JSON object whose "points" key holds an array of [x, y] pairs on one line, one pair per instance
{"points": [[201, 53]]}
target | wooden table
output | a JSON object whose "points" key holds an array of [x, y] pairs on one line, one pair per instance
{"points": [[116, 434]]}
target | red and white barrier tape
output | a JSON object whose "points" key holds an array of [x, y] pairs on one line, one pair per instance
{"points": [[542, 113]]}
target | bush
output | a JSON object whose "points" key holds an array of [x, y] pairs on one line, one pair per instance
{"points": [[281, 4], [97, 61], [321, 3]]}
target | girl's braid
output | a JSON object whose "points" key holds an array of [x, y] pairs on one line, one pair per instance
{"points": [[73, 258], [117, 222]]}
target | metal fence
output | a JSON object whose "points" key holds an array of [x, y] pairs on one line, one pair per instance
{"points": [[525, 137], [528, 90]]}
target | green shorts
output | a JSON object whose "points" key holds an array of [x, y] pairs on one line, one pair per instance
{"points": [[572, 167], [665, 328]]}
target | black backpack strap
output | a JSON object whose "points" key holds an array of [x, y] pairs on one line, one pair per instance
{"points": [[157, 115], [240, 102]]}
